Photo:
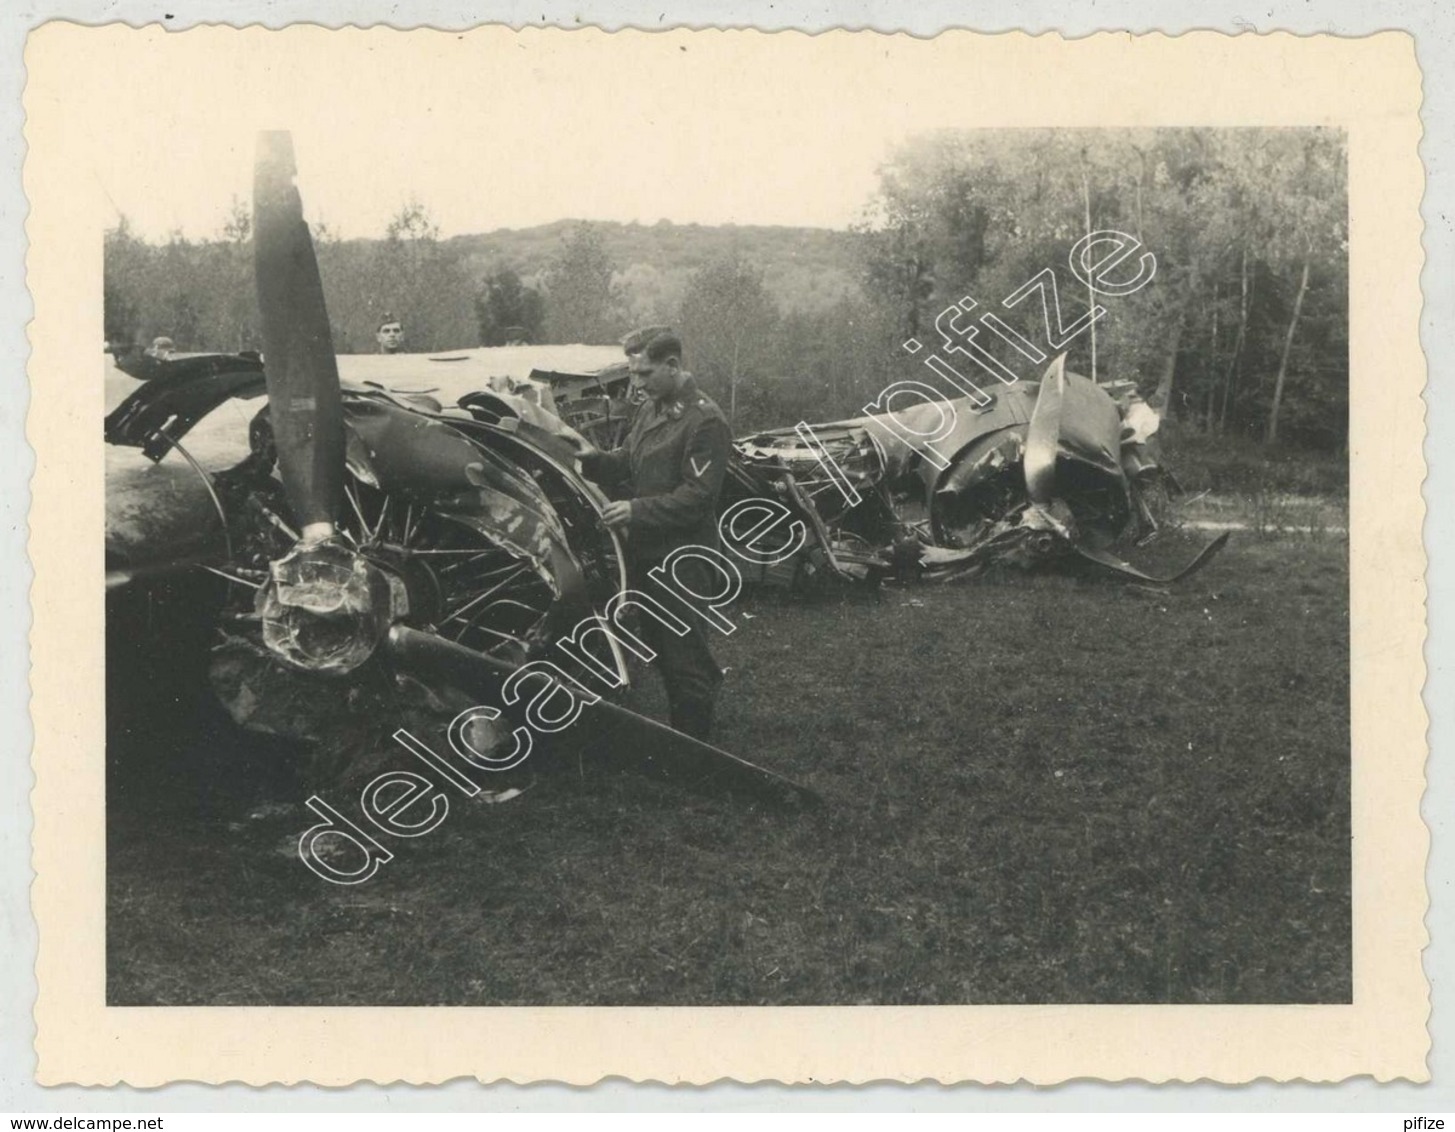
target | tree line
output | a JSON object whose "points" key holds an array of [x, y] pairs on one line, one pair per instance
{"points": [[1243, 331], [1245, 328]]}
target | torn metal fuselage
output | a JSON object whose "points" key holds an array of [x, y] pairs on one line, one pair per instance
{"points": [[467, 547], [469, 521], [1035, 473]]}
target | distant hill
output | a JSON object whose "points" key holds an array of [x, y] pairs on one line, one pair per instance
{"points": [[804, 268]]}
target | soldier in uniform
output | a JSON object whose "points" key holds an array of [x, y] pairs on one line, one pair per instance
{"points": [[390, 335], [673, 461]]}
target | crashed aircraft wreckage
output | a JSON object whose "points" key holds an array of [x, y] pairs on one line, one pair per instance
{"points": [[382, 548], [1030, 474]]}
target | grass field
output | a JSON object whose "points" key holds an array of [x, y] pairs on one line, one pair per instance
{"points": [[1037, 790]]}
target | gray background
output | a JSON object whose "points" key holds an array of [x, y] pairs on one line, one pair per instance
{"points": [[1434, 30]]}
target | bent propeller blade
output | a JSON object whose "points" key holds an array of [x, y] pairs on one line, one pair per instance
{"points": [[303, 385], [655, 749], [1127, 570], [1043, 436]]}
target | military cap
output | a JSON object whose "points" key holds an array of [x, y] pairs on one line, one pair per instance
{"points": [[638, 340]]}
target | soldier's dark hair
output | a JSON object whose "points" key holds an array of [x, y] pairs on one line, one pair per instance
{"points": [[662, 347]]}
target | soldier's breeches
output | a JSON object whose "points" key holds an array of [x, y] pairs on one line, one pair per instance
{"points": [[692, 679], [689, 672]]}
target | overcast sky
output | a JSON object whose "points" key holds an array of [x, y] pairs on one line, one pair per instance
{"points": [[497, 132], [494, 128]]}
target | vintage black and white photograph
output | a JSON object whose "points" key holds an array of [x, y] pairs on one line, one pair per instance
{"points": [[726, 520], [926, 589]]}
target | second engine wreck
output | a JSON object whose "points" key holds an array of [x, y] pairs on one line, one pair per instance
{"points": [[1062, 468]]}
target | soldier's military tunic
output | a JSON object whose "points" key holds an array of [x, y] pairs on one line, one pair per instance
{"points": [[674, 457]]}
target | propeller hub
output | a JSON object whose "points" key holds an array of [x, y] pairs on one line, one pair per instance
{"points": [[326, 608]]}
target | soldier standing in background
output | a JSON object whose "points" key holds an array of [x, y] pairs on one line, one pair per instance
{"points": [[390, 335]]}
